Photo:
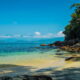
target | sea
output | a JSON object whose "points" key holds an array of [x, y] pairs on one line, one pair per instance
{"points": [[25, 52], [9, 47]]}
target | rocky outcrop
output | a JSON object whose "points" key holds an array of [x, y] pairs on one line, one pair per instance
{"points": [[43, 45], [74, 48], [72, 34], [63, 43], [57, 43], [74, 57]]}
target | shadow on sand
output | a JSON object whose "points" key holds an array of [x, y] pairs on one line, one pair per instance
{"points": [[13, 70], [26, 72], [66, 74]]}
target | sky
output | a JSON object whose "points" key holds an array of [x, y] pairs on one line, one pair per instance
{"points": [[34, 18]]}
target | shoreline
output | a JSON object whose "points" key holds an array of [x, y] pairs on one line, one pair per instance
{"points": [[41, 65], [37, 63]]}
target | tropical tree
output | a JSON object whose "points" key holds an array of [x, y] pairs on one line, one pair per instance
{"points": [[72, 30]]}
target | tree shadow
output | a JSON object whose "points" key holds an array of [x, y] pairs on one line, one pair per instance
{"points": [[13, 70], [66, 74], [44, 70], [28, 71], [20, 73]]}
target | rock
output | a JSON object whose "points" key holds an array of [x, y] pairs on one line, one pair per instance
{"points": [[69, 58], [71, 42], [73, 58], [64, 47], [43, 45], [58, 53], [73, 48], [76, 45], [57, 43], [51, 44]]}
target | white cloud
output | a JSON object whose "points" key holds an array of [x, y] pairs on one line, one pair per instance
{"points": [[37, 33], [59, 34]]}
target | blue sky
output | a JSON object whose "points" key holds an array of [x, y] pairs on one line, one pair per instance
{"points": [[34, 17]]}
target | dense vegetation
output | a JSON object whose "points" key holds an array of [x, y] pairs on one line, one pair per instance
{"points": [[72, 30]]}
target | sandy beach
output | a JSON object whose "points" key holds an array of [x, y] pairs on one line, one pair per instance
{"points": [[30, 64]]}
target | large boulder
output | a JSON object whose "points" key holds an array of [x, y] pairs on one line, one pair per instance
{"points": [[76, 45]]}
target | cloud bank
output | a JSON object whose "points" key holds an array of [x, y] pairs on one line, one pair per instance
{"points": [[36, 35], [49, 35]]}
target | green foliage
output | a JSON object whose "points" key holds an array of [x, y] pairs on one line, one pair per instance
{"points": [[75, 5], [67, 29], [74, 26], [74, 15]]}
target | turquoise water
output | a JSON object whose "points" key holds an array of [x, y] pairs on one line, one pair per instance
{"points": [[17, 56], [19, 47]]}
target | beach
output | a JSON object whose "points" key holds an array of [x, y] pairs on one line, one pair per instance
{"points": [[34, 63], [17, 59]]}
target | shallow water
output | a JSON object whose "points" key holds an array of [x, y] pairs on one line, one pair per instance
{"points": [[20, 55], [30, 63], [26, 52]]}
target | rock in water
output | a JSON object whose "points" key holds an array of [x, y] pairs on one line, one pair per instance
{"points": [[43, 45]]}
